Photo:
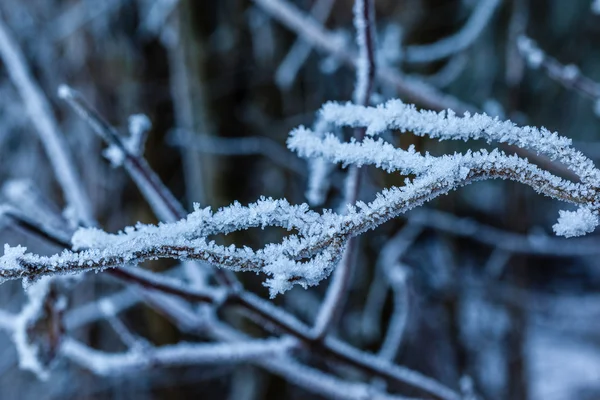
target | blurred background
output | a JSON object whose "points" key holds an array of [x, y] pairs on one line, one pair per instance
{"points": [[489, 297]]}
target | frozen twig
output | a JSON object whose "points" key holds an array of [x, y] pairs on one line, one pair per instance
{"points": [[268, 315]]}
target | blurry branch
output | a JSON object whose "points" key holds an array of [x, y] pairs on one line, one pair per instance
{"points": [[188, 90], [515, 65], [41, 304], [182, 354], [119, 327], [460, 41], [300, 50], [333, 304], [389, 273], [449, 73], [329, 385], [313, 32], [533, 244], [567, 75], [157, 15], [239, 146], [27, 224], [92, 312], [496, 264], [34, 206], [80, 14], [40, 113], [319, 172], [397, 276]]}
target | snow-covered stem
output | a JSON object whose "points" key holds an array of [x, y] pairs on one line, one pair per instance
{"points": [[460, 41], [308, 255], [29, 357], [267, 315], [364, 23], [41, 116]]}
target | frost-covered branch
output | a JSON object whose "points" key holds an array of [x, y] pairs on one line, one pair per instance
{"points": [[447, 125], [309, 255], [160, 198]]}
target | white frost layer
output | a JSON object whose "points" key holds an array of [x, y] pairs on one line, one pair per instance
{"points": [[576, 223]]}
